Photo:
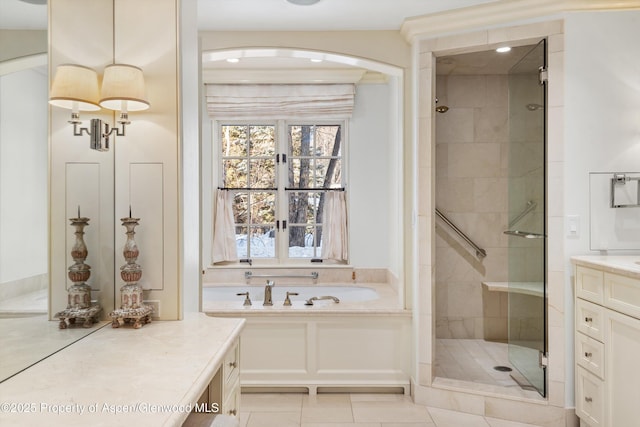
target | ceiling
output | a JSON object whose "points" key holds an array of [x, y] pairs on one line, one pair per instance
{"points": [[271, 15], [280, 15], [484, 62], [326, 15]]}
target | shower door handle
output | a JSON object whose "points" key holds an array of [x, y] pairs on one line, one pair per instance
{"points": [[524, 234]]}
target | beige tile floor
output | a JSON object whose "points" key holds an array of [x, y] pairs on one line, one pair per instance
{"points": [[352, 410]]}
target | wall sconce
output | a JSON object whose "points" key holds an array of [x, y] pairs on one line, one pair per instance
{"points": [[76, 88]]}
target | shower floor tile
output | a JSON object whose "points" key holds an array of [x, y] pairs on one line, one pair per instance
{"points": [[473, 360]]}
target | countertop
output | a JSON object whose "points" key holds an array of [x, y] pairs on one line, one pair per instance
{"points": [[625, 265], [123, 376]]}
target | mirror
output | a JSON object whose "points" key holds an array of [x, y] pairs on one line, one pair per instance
{"points": [[27, 334]]}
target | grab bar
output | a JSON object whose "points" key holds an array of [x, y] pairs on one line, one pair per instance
{"points": [[480, 253], [531, 205], [249, 275], [524, 234]]}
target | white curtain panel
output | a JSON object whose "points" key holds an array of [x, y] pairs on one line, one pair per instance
{"points": [[334, 229], [329, 101], [224, 235]]}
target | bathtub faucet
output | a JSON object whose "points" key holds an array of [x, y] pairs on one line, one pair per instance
{"points": [[312, 299], [267, 292]]}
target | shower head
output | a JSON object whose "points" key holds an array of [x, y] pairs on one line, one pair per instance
{"points": [[534, 107], [441, 108]]}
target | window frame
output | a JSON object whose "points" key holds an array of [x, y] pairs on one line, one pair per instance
{"points": [[282, 146]]}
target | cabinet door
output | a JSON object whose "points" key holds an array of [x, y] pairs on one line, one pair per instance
{"points": [[622, 294], [622, 369], [590, 319], [231, 403], [589, 398], [590, 354], [231, 365], [590, 284]]}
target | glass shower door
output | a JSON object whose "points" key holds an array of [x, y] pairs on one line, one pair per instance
{"points": [[527, 328]]}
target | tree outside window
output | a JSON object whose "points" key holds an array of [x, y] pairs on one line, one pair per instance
{"points": [[280, 217]]}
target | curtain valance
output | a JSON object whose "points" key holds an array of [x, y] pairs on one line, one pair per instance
{"points": [[275, 101]]}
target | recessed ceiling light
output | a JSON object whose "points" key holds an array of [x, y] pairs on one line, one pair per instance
{"points": [[503, 49], [233, 60], [303, 2]]}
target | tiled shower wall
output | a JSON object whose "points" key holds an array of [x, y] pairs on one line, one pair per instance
{"points": [[471, 190]]}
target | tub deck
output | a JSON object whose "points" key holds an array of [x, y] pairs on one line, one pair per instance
{"points": [[386, 302]]}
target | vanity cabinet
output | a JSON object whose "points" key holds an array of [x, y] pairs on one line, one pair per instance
{"points": [[607, 344], [222, 395]]}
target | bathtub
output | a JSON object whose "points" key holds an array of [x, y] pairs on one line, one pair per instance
{"points": [[345, 293], [362, 342]]}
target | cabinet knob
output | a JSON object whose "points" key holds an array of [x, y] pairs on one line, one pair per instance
{"points": [[588, 399], [233, 364], [233, 412], [588, 354], [588, 319]]}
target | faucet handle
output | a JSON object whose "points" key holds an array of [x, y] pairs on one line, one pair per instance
{"points": [[247, 301], [287, 301]]}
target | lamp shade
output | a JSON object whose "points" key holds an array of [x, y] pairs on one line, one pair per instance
{"points": [[123, 88], [75, 87]]}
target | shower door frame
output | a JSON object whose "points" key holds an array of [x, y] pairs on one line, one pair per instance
{"points": [[520, 356]]}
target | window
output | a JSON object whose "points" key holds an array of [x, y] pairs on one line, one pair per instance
{"points": [[279, 174]]}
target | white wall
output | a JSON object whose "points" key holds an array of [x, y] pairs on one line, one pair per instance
{"points": [[190, 155], [23, 174], [371, 178], [602, 101], [602, 122]]}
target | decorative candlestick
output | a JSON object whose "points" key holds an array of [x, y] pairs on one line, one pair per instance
{"points": [[79, 293], [79, 304], [131, 272], [132, 308]]}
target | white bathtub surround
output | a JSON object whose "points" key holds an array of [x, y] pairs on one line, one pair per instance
{"points": [[327, 352], [362, 341], [165, 363], [368, 298]]}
